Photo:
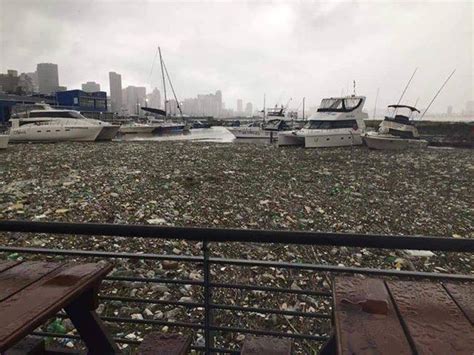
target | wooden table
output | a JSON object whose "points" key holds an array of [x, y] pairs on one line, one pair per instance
{"points": [[373, 316], [31, 292]]}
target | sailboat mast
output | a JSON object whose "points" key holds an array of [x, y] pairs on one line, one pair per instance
{"points": [[264, 108], [163, 77], [375, 106], [172, 89], [303, 106]]}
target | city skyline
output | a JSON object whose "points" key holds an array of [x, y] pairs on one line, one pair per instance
{"points": [[284, 50]]}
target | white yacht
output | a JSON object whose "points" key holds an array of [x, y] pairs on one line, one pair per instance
{"points": [[53, 126], [4, 138], [276, 121], [338, 122], [397, 131]]}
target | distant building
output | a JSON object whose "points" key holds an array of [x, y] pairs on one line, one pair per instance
{"points": [[249, 109], [61, 88], [115, 81], [133, 98], [450, 110], [91, 86], [26, 84], [34, 80], [172, 107], [83, 101], [48, 78], [154, 99], [204, 105], [9, 82], [239, 106]]}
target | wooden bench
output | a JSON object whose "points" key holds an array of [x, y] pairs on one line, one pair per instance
{"points": [[156, 343], [31, 292], [403, 317], [266, 346]]}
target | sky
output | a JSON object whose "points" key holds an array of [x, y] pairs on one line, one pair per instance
{"points": [[285, 50]]}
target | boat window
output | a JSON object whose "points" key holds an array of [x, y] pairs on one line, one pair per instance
{"points": [[56, 114], [351, 103], [272, 124], [316, 124], [331, 104]]}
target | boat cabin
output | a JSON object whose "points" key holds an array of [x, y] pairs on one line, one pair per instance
{"points": [[276, 125], [341, 104], [399, 122]]}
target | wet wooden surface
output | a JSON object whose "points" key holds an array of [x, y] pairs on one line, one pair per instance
{"points": [[361, 329], [165, 344], [463, 295], [32, 292], [417, 317], [267, 346]]}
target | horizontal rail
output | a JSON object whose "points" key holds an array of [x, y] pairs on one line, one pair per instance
{"points": [[270, 333], [243, 235], [237, 262], [215, 306]]}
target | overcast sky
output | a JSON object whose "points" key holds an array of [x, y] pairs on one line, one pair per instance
{"points": [[284, 49]]}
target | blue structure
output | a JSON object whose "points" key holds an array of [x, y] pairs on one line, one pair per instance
{"points": [[82, 101]]}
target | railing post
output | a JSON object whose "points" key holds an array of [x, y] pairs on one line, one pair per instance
{"points": [[208, 336]]}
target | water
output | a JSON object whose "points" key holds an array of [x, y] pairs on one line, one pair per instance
{"points": [[213, 134]]}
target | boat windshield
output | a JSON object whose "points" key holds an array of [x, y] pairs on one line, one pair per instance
{"points": [[56, 114], [318, 124], [339, 104]]}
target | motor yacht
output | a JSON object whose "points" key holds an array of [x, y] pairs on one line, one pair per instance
{"points": [[261, 130], [54, 125], [338, 122], [396, 131], [276, 121]]}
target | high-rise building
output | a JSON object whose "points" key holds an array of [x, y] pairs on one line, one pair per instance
{"points": [[239, 106], [34, 80], [450, 110], [204, 105], [249, 109], [154, 99], [115, 81], [48, 78], [134, 99], [91, 86], [9, 82]]}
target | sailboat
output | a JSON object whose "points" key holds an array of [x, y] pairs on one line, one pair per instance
{"points": [[161, 121]]}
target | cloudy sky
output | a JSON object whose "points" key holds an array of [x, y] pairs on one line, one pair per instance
{"points": [[247, 48]]}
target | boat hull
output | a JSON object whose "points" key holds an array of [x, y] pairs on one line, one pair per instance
{"points": [[253, 133], [107, 133], [323, 140], [393, 143], [52, 133], [4, 141], [136, 130]]}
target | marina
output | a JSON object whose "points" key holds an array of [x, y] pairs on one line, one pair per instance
{"points": [[243, 178]]}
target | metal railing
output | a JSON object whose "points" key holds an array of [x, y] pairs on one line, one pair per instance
{"points": [[210, 285]]}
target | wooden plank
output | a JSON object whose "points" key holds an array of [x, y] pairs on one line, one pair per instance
{"points": [[365, 318], [463, 295], [6, 264], [434, 323], [21, 275], [164, 344], [266, 346], [29, 308]]}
